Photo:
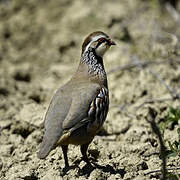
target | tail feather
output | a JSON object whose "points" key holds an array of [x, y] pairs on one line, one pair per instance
{"points": [[45, 148]]}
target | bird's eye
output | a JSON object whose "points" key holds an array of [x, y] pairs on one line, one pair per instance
{"points": [[101, 40]]}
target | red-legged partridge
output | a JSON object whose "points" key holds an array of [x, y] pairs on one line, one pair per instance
{"points": [[79, 108]]}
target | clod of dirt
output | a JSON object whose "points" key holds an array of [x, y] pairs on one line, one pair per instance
{"points": [[4, 91], [6, 150], [156, 176], [64, 48], [142, 166], [36, 98], [7, 34], [22, 128], [153, 142], [22, 76], [31, 177], [32, 114], [94, 152]]}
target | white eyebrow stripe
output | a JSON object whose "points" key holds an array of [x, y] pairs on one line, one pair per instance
{"points": [[93, 40], [97, 37]]}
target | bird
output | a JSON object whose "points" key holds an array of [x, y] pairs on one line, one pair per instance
{"points": [[79, 108]]}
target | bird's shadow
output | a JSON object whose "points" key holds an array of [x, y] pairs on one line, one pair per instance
{"points": [[87, 169], [65, 170]]}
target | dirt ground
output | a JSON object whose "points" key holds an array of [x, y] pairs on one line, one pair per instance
{"points": [[40, 46]]}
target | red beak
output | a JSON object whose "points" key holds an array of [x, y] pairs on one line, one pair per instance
{"points": [[110, 42]]}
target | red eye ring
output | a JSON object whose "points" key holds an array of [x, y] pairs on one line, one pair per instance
{"points": [[101, 40]]}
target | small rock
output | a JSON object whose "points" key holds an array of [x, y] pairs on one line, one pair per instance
{"points": [[142, 166]]}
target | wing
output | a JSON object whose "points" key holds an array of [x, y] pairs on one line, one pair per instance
{"points": [[78, 113], [56, 113], [68, 108]]}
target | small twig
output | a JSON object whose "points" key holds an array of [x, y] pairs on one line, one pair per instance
{"points": [[151, 119], [133, 65], [173, 92], [142, 64], [124, 109]]}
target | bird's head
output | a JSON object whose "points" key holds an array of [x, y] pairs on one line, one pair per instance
{"points": [[99, 41]]}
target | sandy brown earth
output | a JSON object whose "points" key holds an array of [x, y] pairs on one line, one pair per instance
{"points": [[40, 44]]}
